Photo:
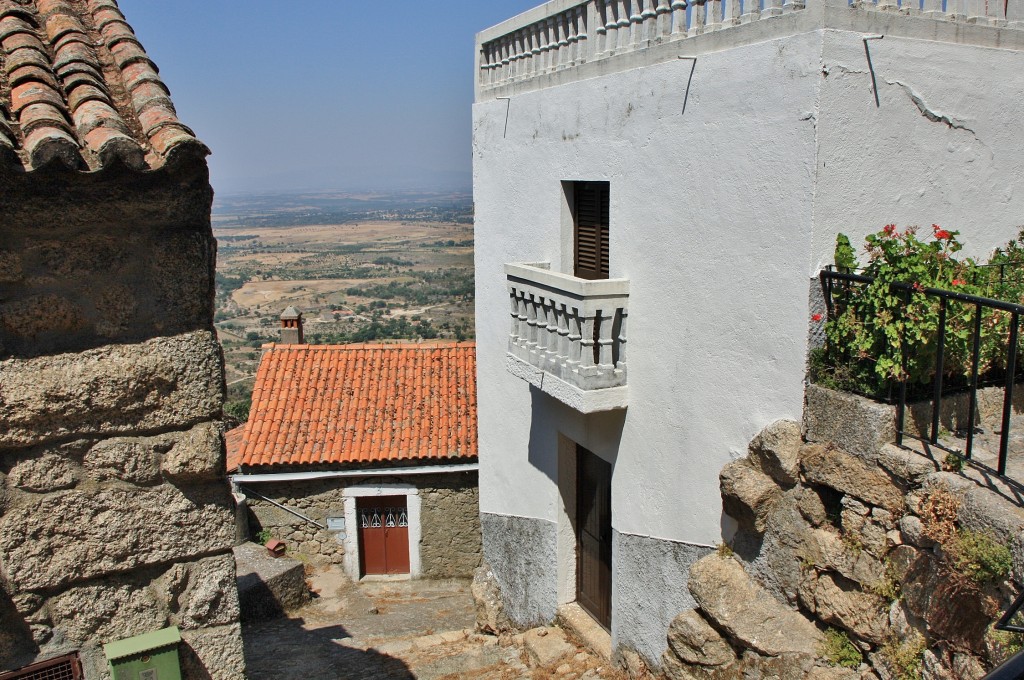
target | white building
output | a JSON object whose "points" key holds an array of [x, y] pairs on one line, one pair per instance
{"points": [[710, 154]]}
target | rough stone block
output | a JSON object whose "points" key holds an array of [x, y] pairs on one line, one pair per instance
{"points": [[694, 641], [776, 450], [547, 646], [748, 495], [213, 653], [490, 610], [907, 466], [812, 507], [852, 423], [129, 459], [268, 586], [203, 593], [851, 475], [861, 613], [110, 609], [747, 613], [158, 384], [196, 455], [43, 474], [71, 536]]}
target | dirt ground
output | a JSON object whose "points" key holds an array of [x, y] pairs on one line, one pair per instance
{"points": [[391, 630]]}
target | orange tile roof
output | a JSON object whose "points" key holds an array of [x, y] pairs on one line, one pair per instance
{"points": [[77, 88], [317, 404], [233, 443]]}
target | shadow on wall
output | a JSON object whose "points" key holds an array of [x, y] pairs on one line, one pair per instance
{"points": [[285, 650], [16, 645], [599, 432]]}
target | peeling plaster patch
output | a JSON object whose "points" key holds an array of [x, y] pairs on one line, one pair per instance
{"points": [[839, 68], [928, 113]]}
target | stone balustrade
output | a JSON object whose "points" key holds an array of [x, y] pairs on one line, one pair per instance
{"points": [[564, 34], [570, 328]]}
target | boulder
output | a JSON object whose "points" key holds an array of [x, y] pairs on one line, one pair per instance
{"points": [[748, 495], [907, 466], [746, 612], [851, 475], [490, 609], [845, 606], [776, 451], [547, 645], [694, 641]]}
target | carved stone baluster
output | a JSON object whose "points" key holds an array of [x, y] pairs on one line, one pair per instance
{"points": [[713, 15], [536, 60], [636, 24], [622, 35], [620, 340], [572, 38], [563, 336], [572, 360], [662, 20], [554, 340], [587, 364], [611, 26], [552, 60], [794, 5], [698, 18], [732, 13], [773, 8], [513, 334], [603, 322], [531, 323], [679, 26], [751, 11], [583, 47], [887, 6], [976, 12], [597, 25], [957, 10], [1015, 13], [910, 7], [543, 339]]}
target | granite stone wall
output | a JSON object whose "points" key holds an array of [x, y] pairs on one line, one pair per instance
{"points": [[115, 518], [450, 520]]}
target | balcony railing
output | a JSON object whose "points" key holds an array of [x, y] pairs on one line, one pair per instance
{"points": [[565, 34], [572, 332]]}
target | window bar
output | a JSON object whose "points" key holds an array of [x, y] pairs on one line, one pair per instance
{"points": [[975, 360], [1011, 369], [937, 382]]}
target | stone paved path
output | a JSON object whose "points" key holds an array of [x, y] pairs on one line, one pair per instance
{"points": [[392, 630]]}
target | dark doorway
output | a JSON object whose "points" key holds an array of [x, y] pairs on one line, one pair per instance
{"points": [[594, 536], [383, 535]]}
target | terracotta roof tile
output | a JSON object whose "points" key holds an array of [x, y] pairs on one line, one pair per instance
{"points": [[324, 404], [76, 87]]}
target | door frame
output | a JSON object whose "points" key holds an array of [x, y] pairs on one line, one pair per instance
{"points": [[351, 540]]}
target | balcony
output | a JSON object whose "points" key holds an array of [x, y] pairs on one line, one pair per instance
{"points": [[568, 336]]}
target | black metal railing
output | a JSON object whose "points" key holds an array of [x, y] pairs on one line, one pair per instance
{"points": [[838, 284]]}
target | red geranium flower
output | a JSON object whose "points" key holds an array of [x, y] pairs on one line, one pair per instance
{"points": [[958, 282], [816, 317], [918, 287], [889, 229], [943, 235]]}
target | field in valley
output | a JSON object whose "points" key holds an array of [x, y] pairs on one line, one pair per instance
{"points": [[397, 272]]}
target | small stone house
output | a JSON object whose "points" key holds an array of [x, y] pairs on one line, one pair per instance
{"points": [[365, 455], [114, 516]]}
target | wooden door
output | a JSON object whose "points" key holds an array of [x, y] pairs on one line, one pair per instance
{"points": [[383, 535], [594, 536]]}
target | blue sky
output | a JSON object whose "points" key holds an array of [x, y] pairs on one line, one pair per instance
{"points": [[323, 94]]}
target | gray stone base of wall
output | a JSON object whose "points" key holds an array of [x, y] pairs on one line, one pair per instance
{"points": [[649, 589], [523, 555]]}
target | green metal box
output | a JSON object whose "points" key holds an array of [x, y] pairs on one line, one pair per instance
{"points": [[152, 656]]}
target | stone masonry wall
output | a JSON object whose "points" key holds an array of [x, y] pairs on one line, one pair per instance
{"points": [[450, 519], [115, 518], [869, 564]]}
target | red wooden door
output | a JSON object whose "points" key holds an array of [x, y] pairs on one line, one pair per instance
{"points": [[594, 536], [383, 535]]}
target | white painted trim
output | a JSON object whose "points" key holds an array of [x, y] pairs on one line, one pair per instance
{"points": [[246, 478], [351, 540], [584, 401]]}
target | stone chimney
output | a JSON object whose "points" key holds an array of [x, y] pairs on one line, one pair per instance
{"points": [[291, 327]]}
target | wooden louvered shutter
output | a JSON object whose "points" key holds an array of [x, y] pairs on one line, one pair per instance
{"points": [[591, 229]]}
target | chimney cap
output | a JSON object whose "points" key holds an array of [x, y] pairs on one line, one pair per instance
{"points": [[291, 313]]}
